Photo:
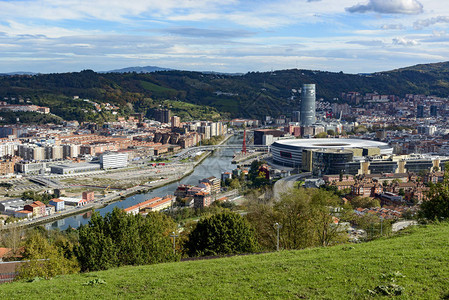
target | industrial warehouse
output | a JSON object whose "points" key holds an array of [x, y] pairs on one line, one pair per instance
{"points": [[350, 156]]}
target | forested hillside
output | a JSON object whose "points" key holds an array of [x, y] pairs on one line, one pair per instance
{"points": [[251, 95]]}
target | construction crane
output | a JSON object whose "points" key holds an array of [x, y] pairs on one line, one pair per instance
{"points": [[244, 142]]}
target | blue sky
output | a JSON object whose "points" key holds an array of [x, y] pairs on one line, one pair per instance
{"points": [[353, 36]]}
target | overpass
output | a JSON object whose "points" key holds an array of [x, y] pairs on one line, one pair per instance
{"points": [[232, 146], [51, 183], [185, 152]]}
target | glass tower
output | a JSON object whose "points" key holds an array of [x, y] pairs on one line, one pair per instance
{"points": [[307, 107]]}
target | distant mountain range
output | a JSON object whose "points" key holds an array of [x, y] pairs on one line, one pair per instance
{"points": [[147, 69], [151, 69], [17, 73]]}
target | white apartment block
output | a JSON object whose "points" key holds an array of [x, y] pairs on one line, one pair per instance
{"points": [[8, 148], [112, 160]]}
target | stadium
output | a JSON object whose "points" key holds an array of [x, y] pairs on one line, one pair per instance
{"points": [[302, 153]]}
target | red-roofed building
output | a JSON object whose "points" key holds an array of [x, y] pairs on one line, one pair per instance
{"points": [[166, 202], [202, 199], [154, 204], [214, 182], [37, 207], [57, 203], [222, 199], [88, 196], [5, 253], [182, 190], [140, 206], [23, 214]]}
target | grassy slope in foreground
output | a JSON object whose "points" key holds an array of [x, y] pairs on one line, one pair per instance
{"points": [[341, 272]]}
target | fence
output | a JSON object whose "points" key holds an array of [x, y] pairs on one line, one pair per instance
{"points": [[8, 270]]}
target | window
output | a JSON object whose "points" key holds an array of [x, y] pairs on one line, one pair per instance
{"points": [[286, 154]]}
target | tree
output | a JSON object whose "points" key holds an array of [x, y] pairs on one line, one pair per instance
{"points": [[326, 211], [321, 135], [12, 237], [308, 218], [234, 184], [221, 234], [32, 195], [360, 129], [437, 205], [364, 202], [119, 239], [45, 259], [373, 225]]}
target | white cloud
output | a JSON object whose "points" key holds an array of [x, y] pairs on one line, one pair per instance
{"points": [[110, 10], [21, 30], [420, 24], [404, 42], [392, 27], [233, 35], [388, 7]]}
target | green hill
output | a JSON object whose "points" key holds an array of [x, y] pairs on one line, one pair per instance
{"points": [[417, 261], [254, 94]]}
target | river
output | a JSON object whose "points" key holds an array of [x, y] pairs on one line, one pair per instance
{"points": [[213, 165]]}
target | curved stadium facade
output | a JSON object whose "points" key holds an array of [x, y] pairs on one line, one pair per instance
{"points": [[326, 156], [289, 152]]}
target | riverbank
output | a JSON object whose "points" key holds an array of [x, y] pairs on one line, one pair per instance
{"points": [[116, 196]]}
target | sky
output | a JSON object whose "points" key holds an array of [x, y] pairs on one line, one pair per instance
{"points": [[353, 36]]}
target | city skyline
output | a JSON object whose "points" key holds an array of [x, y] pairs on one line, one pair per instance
{"points": [[353, 36]]}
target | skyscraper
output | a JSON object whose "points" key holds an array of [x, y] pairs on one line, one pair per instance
{"points": [[433, 110], [175, 121], [296, 116], [420, 111], [308, 105], [162, 115]]}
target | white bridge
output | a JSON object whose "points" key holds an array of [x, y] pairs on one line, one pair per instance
{"points": [[261, 148]]}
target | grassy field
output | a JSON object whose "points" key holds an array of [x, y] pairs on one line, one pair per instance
{"points": [[155, 88], [417, 261]]}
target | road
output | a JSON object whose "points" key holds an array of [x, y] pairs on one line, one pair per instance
{"points": [[402, 224], [284, 184]]}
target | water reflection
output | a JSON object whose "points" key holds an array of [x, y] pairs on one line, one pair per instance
{"points": [[213, 165]]}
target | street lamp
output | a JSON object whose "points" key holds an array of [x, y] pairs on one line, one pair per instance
{"points": [[174, 236], [277, 226], [381, 229]]}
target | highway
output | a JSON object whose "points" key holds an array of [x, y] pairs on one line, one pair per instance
{"points": [[287, 183]]}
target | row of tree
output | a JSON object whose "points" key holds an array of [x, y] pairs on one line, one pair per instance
{"points": [[307, 218], [118, 239]]}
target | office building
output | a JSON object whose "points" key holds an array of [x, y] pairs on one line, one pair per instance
{"points": [[308, 105], [433, 110], [112, 160], [70, 150], [175, 122], [162, 115], [420, 111], [296, 116]]}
